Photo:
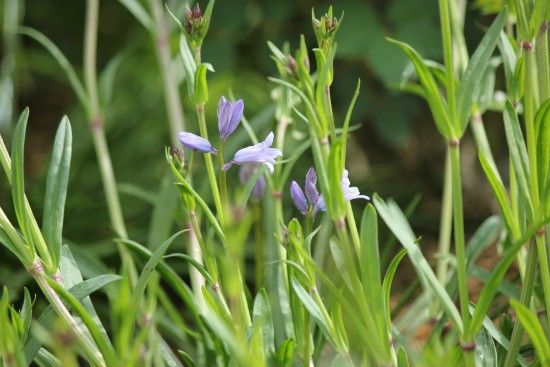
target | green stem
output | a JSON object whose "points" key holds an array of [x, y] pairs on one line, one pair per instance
{"points": [[95, 118], [210, 167], [223, 180], [89, 348], [445, 224], [460, 246], [171, 93], [525, 299], [446, 36], [259, 248]]}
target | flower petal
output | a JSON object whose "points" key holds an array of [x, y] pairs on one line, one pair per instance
{"points": [[298, 197], [195, 142]]}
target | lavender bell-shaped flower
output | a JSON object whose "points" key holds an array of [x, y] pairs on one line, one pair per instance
{"points": [[260, 153], [195, 142], [229, 116], [245, 174], [350, 193], [298, 197]]}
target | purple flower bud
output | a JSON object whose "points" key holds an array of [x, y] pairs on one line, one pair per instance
{"points": [[298, 197], [195, 142], [258, 153], [311, 191], [229, 116], [245, 174]]}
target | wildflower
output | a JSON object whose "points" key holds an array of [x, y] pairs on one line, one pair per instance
{"points": [[298, 197], [195, 142], [260, 153], [350, 193], [229, 116], [246, 173], [304, 202]]}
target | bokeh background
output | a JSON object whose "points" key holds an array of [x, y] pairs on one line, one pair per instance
{"points": [[396, 151]]}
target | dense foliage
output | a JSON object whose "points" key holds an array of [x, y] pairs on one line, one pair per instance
{"points": [[254, 254]]}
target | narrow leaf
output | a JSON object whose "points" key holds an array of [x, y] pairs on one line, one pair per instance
{"points": [[56, 189]]}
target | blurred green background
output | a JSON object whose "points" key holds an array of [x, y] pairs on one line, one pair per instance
{"points": [[396, 151]]}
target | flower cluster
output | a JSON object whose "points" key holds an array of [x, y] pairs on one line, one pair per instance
{"points": [[229, 115], [312, 201]]}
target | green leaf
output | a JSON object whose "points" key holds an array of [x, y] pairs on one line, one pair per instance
{"points": [[542, 126], [79, 291], [470, 81], [431, 90], [314, 310], [486, 351], [263, 321], [500, 194], [101, 339], [56, 189], [491, 286], [402, 359], [369, 264], [143, 280], [532, 326], [397, 222], [518, 151], [285, 353], [189, 66], [386, 286], [18, 175]]}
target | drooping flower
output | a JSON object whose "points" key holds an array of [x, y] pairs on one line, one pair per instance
{"points": [[298, 197], [260, 153], [229, 116], [195, 142], [350, 192], [246, 173], [304, 202]]}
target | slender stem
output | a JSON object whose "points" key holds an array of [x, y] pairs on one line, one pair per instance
{"points": [[445, 224], [445, 18], [89, 348], [223, 180], [460, 246], [543, 265], [172, 97], [96, 120], [210, 167], [197, 280], [525, 299]]}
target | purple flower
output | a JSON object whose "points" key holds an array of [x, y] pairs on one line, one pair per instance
{"points": [[195, 142], [350, 193], [298, 197], [311, 191], [258, 153], [229, 116], [311, 197], [245, 174]]}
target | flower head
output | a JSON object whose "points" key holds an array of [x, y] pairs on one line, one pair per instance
{"points": [[350, 193], [246, 173], [229, 116], [260, 153], [195, 142], [303, 202]]}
